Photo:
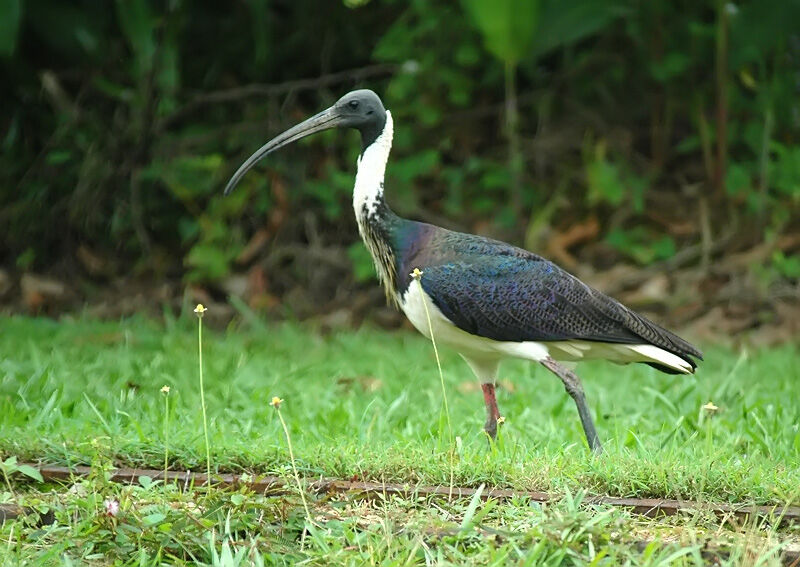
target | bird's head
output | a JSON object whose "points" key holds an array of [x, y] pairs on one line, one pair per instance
{"points": [[361, 109]]}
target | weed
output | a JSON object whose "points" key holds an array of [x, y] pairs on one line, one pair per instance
{"points": [[165, 391], [417, 275], [200, 310], [276, 403]]}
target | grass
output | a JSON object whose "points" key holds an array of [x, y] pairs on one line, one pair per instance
{"points": [[367, 404]]}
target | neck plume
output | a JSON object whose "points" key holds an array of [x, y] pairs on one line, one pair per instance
{"points": [[373, 215], [368, 191]]}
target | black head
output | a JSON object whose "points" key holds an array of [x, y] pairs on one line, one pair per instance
{"points": [[361, 109]]}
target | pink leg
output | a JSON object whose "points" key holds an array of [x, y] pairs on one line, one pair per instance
{"points": [[492, 411]]}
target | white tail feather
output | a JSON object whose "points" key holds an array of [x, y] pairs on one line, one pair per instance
{"points": [[659, 355], [577, 350]]}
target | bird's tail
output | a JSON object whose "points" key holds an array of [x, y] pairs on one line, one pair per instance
{"points": [[663, 360]]}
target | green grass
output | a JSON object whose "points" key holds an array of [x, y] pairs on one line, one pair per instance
{"points": [[241, 528], [369, 404]]}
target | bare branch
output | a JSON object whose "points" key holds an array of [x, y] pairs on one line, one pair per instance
{"points": [[266, 90]]}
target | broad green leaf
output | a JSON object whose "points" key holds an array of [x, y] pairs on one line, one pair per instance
{"points": [[507, 26], [563, 23], [758, 28], [138, 26], [30, 472], [153, 519]]}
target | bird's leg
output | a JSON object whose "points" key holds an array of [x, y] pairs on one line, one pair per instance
{"points": [[485, 370], [575, 389], [492, 411]]}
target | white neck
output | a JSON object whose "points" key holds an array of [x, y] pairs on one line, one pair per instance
{"points": [[371, 165]]}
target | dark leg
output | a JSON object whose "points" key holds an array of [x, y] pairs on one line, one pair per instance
{"points": [[492, 412], [574, 388]]}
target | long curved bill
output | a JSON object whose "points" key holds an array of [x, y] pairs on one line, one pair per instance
{"points": [[323, 121]]}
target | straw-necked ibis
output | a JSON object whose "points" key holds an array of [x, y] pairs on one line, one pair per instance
{"points": [[486, 299]]}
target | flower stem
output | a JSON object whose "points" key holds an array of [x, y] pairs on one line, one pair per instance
{"points": [[438, 362], [294, 467], [417, 275], [166, 438], [203, 397]]}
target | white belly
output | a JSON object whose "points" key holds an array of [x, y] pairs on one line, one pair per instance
{"points": [[415, 300], [447, 333]]}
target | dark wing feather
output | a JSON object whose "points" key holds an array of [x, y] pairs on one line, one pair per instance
{"points": [[494, 290]]}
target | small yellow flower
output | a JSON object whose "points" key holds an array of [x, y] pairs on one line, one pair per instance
{"points": [[165, 389], [501, 420], [416, 273], [710, 407], [200, 309], [276, 402]]}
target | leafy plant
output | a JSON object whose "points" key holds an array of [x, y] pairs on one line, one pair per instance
{"points": [[120, 127], [640, 245], [508, 28], [9, 467], [361, 261], [609, 182]]}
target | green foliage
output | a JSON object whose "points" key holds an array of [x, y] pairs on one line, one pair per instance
{"points": [[138, 26], [508, 26], [10, 466], [787, 170], [788, 266], [120, 127], [363, 269], [515, 30], [611, 183], [565, 23], [641, 245]]}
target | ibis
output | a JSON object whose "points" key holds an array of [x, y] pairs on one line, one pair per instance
{"points": [[484, 298]]}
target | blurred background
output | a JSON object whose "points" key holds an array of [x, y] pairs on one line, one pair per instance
{"points": [[651, 147]]}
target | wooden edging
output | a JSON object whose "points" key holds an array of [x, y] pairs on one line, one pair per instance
{"points": [[651, 507]]}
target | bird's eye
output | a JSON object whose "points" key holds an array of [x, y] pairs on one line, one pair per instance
{"points": [[353, 104]]}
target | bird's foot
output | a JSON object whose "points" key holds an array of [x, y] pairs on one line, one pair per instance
{"points": [[491, 425], [575, 389], [490, 428]]}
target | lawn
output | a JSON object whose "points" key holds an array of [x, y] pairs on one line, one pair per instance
{"points": [[368, 404]]}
